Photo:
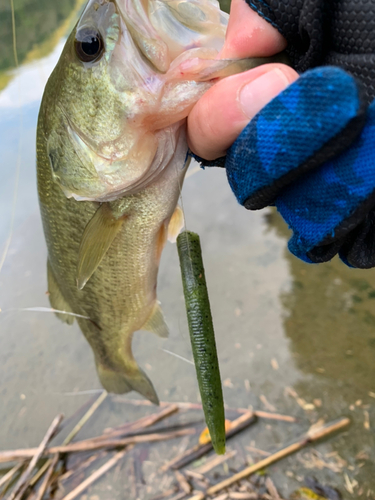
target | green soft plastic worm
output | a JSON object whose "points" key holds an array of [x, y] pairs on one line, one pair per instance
{"points": [[202, 336]]}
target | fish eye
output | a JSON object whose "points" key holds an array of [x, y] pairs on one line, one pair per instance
{"points": [[89, 44]]}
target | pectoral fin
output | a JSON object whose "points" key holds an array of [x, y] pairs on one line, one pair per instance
{"points": [[96, 240], [156, 322], [175, 224]]}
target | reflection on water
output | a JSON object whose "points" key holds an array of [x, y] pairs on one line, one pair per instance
{"points": [[39, 26], [35, 20], [330, 321], [279, 323]]}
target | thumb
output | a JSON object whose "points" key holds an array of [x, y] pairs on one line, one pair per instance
{"points": [[223, 112]]}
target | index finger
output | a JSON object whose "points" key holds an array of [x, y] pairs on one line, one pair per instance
{"points": [[249, 35]]}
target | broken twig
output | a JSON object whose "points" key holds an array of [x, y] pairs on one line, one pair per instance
{"points": [[197, 406], [214, 462], [309, 437], [183, 482], [82, 466], [85, 418], [93, 444], [272, 489], [47, 478], [23, 482], [10, 474], [96, 475], [199, 450], [141, 423], [71, 435]]}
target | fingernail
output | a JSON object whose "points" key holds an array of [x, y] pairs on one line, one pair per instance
{"points": [[256, 94]]}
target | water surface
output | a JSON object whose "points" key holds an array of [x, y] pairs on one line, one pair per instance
{"points": [[291, 336]]}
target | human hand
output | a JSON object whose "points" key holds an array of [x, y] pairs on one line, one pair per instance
{"points": [[310, 150], [224, 111]]}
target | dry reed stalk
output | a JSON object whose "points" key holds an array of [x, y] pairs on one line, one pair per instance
{"points": [[93, 445], [81, 409], [215, 461], [166, 494], [179, 496], [23, 482], [195, 475], [273, 416], [233, 495], [309, 437], [85, 418], [199, 450], [71, 435], [197, 406], [224, 496], [182, 481], [259, 451], [272, 489], [96, 475], [238, 495], [7, 479], [47, 478], [141, 423], [82, 466], [199, 479], [10, 474], [198, 496]]}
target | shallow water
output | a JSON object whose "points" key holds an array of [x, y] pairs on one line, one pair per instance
{"points": [[301, 336]]}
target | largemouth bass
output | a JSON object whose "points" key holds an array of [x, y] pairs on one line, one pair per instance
{"points": [[111, 159]]}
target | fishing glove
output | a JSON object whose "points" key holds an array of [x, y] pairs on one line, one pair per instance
{"points": [[311, 150]]}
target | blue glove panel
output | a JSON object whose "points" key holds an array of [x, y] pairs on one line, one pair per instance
{"points": [[324, 205], [294, 133]]}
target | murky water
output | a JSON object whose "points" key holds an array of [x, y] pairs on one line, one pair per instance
{"points": [[297, 337]]}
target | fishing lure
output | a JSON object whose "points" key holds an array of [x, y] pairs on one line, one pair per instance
{"points": [[202, 336]]}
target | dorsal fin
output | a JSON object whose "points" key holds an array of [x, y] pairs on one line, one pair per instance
{"points": [[96, 240]]}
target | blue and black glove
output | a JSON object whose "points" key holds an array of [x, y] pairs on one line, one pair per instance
{"points": [[311, 150], [289, 155]]}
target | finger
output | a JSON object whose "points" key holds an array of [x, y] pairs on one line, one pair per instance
{"points": [[224, 111], [249, 35]]}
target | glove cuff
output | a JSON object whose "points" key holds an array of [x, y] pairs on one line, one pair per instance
{"points": [[219, 162]]}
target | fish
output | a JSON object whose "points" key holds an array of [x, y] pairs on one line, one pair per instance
{"points": [[111, 160]]}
